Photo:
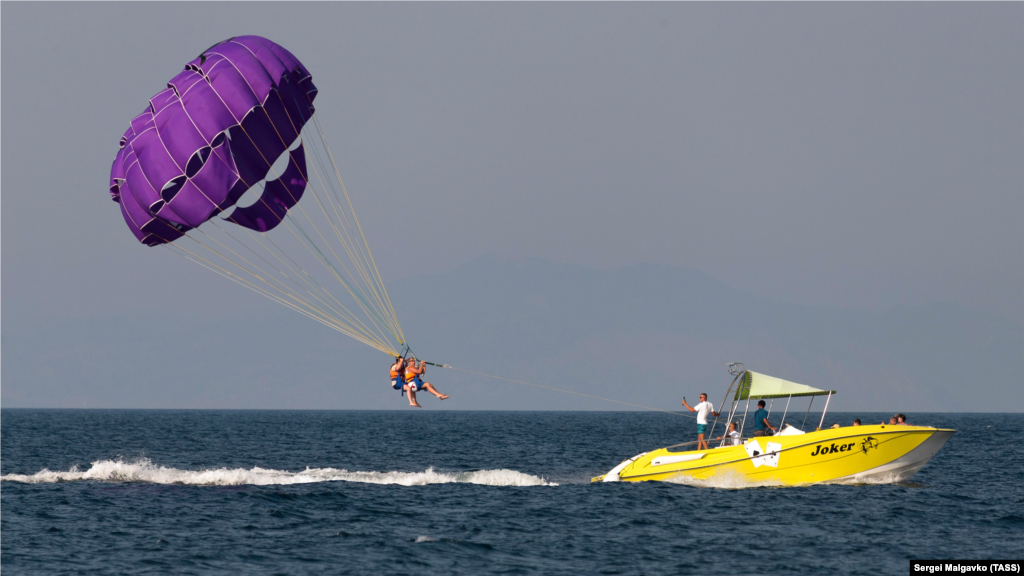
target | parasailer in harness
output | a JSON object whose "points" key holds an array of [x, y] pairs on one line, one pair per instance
{"points": [[413, 370], [398, 375]]}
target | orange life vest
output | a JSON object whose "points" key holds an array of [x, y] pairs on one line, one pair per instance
{"points": [[411, 371], [396, 370]]}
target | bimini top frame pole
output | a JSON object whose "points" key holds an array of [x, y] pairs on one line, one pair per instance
{"points": [[827, 398], [804, 423], [782, 423], [721, 409]]}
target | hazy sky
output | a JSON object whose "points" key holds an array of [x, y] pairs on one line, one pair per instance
{"points": [[853, 155]]}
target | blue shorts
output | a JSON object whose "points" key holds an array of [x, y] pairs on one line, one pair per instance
{"points": [[397, 383], [415, 384], [702, 428]]}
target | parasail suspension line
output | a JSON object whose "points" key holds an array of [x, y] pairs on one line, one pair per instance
{"points": [[356, 293], [235, 278], [293, 295], [359, 262], [344, 313], [323, 138]]}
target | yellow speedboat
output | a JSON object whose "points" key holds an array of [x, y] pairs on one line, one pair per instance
{"points": [[875, 453]]}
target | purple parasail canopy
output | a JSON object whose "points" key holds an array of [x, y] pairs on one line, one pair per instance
{"points": [[214, 132]]}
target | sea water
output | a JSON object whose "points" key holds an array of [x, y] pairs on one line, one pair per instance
{"points": [[427, 492]]}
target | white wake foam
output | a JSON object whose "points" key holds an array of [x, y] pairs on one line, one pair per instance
{"points": [[735, 481], [725, 479], [144, 471], [891, 478]]}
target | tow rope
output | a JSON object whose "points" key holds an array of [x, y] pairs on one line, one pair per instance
{"points": [[450, 367]]}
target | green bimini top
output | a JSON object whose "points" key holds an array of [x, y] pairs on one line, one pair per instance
{"points": [[758, 386]]}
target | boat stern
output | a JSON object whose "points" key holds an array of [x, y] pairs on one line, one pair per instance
{"points": [[613, 474]]}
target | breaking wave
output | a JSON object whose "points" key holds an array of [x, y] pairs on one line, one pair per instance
{"points": [[144, 471]]}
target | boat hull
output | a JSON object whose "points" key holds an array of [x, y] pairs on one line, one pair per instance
{"points": [[854, 454]]}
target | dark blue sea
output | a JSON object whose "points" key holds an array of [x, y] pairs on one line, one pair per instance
{"points": [[404, 492]]}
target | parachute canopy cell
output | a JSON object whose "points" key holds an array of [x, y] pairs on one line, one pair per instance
{"points": [[213, 133]]}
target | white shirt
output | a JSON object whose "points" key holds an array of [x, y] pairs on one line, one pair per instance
{"points": [[735, 436], [702, 411]]}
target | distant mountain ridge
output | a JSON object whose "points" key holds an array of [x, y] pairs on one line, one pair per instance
{"points": [[646, 334]]}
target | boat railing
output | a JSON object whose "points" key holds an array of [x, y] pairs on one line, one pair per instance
{"points": [[712, 443], [721, 442]]}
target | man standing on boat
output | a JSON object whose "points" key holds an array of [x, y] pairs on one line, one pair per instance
{"points": [[761, 424], [702, 410]]}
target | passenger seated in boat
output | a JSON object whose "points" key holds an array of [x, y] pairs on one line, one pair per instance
{"points": [[731, 436], [902, 420], [856, 421], [836, 425], [892, 421], [761, 424]]}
